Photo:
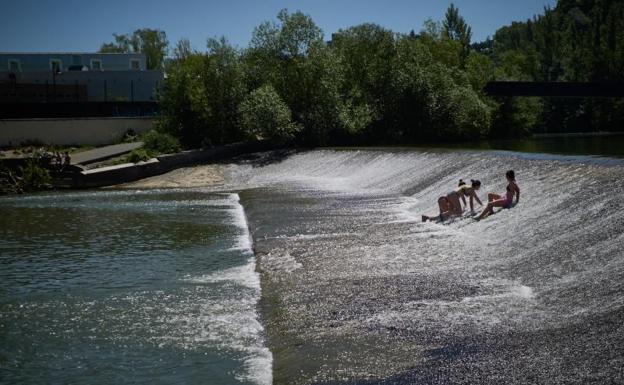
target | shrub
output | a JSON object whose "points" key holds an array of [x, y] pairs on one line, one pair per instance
{"points": [[33, 176], [264, 114], [139, 155], [160, 143]]}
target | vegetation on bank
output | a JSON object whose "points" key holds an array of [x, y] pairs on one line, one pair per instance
{"points": [[370, 85], [25, 178], [154, 143]]}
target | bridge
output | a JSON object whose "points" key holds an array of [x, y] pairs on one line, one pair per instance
{"points": [[556, 89]]}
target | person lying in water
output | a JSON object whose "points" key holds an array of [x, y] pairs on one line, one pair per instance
{"points": [[449, 204], [504, 201]]}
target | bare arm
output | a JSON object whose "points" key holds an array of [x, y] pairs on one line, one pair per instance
{"points": [[517, 193], [461, 195], [477, 197]]}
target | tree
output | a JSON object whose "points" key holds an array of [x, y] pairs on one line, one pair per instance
{"points": [[291, 56], [182, 50], [263, 114], [455, 28], [366, 53], [121, 45], [151, 42]]}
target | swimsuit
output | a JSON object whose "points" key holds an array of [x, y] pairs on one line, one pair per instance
{"points": [[508, 198], [462, 189]]}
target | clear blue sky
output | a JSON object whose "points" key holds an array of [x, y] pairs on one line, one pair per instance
{"points": [[71, 25]]}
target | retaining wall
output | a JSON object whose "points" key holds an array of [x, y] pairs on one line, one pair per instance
{"points": [[123, 173]]}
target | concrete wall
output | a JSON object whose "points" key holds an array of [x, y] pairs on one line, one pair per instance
{"points": [[107, 176], [41, 61], [87, 131]]}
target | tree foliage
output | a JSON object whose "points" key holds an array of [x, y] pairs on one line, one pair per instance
{"points": [[578, 40], [372, 85], [456, 28], [151, 42], [265, 115]]}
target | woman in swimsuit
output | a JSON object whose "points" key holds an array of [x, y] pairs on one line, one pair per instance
{"points": [[504, 201], [449, 204]]}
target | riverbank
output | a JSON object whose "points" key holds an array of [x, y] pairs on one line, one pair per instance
{"points": [[196, 176]]}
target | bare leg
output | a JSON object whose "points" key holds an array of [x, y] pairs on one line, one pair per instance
{"points": [[489, 209], [444, 205], [493, 197], [455, 208]]}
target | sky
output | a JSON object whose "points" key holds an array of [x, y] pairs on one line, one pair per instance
{"points": [[82, 26]]}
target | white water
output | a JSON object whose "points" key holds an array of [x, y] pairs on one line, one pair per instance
{"points": [[235, 323], [531, 269]]}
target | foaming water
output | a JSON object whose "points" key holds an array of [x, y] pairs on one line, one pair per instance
{"points": [[129, 287], [348, 266]]}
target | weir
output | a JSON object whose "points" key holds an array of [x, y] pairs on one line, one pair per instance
{"points": [[356, 289]]}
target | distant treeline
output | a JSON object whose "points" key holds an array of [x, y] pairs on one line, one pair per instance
{"points": [[370, 85]]}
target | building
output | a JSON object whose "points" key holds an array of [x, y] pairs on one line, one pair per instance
{"points": [[75, 98], [76, 77]]}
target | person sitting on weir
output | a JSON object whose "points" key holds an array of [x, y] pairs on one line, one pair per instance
{"points": [[504, 201], [449, 205]]}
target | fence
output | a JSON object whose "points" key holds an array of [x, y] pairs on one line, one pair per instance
{"points": [[78, 110]]}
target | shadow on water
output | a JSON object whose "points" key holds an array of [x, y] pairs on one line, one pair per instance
{"points": [[592, 145], [262, 159]]}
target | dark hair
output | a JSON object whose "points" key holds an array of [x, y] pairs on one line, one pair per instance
{"points": [[461, 183], [475, 182], [511, 175]]}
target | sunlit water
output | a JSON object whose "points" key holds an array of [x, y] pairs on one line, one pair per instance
{"points": [[129, 287], [356, 289], [160, 286]]}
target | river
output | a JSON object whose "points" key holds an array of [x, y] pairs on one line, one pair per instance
{"points": [[345, 284]]}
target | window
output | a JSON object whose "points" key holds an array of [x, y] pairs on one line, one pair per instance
{"points": [[14, 65], [76, 60], [56, 65], [96, 64], [135, 64]]}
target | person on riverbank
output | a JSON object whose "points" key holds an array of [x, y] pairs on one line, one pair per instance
{"points": [[505, 200], [449, 204], [66, 159]]}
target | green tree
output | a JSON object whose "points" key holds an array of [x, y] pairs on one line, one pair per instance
{"points": [[182, 50], [456, 28], [263, 114], [291, 56], [201, 96], [151, 42]]}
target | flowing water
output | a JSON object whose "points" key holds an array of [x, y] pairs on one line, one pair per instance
{"points": [[160, 287], [356, 289], [129, 287]]}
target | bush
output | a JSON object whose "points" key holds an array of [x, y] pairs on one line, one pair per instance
{"points": [[139, 155], [160, 143], [33, 176], [264, 114]]}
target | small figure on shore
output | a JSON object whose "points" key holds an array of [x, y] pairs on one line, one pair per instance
{"points": [[450, 206], [504, 201], [58, 160], [66, 159]]}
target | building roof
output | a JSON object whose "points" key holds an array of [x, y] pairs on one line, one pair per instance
{"points": [[71, 53]]}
